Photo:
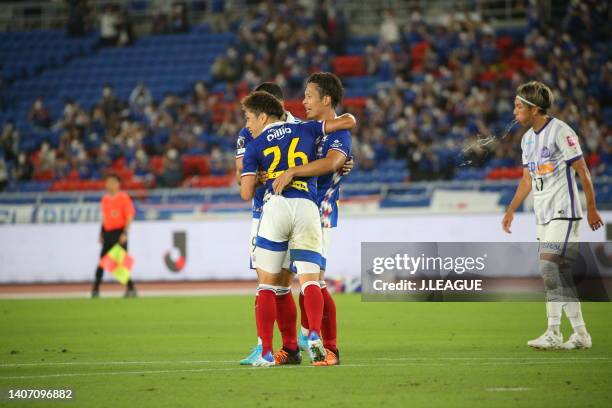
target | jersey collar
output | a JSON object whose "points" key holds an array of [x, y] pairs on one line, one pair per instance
{"points": [[270, 125]]}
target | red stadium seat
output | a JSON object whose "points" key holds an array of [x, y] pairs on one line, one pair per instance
{"points": [[195, 166], [349, 65], [296, 108], [157, 162], [214, 181]]}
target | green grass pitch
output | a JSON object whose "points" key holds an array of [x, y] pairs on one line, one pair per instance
{"points": [[183, 352]]}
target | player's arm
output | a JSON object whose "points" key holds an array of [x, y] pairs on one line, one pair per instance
{"points": [[239, 168], [342, 122], [247, 186], [329, 164], [522, 191], [248, 179], [593, 217]]}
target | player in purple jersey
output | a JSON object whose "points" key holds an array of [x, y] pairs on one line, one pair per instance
{"points": [[322, 95]]}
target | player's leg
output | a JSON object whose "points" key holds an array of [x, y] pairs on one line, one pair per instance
{"points": [[271, 247], [328, 323], [305, 247], [580, 338], [552, 337], [286, 315], [255, 351]]}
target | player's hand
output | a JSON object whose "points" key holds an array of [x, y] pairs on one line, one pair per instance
{"points": [[123, 238], [262, 177], [347, 167], [507, 221], [595, 221], [282, 181]]}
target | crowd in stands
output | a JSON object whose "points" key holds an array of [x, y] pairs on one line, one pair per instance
{"points": [[432, 90]]}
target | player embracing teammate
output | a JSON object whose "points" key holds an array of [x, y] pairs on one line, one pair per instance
{"points": [[551, 159], [290, 221], [322, 96]]}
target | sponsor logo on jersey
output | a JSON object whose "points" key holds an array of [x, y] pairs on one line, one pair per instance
{"points": [[278, 133], [570, 141], [337, 143]]}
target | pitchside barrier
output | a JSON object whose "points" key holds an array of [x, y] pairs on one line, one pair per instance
{"points": [[217, 248]]}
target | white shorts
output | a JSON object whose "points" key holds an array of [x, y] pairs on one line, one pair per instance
{"points": [[327, 232], [289, 225], [253, 239], [556, 236]]}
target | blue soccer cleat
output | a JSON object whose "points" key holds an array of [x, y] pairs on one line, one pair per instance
{"points": [[303, 342], [264, 361], [255, 353], [316, 350]]}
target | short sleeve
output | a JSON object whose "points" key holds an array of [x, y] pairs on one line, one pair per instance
{"points": [[340, 141], [244, 137], [567, 141], [249, 161], [128, 206], [523, 155]]}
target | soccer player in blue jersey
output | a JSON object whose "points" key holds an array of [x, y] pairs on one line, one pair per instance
{"points": [[323, 94], [285, 300], [289, 221]]}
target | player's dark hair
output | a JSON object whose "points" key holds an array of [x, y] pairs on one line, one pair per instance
{"points": [[271, 88], [259, 102], [538, 94], [328, 84], [112, 175]]}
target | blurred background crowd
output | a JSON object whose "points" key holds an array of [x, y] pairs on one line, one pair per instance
{"points": [[425, 89]]}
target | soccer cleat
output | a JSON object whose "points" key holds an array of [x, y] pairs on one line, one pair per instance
{"points": [[577, 341], [331, 358], [303, 342], [316, 350], [285, 356], [95, 293], [264, 361], [255, 353], [548, 341]]}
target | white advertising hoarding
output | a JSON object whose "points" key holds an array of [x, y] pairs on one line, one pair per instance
{"points": [[218, 248]]}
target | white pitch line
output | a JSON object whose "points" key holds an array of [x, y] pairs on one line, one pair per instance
{"points": [[212, 369], [482, 360], [490, 358], [75, 363]]}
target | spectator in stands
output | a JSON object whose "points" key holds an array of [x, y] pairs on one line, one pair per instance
{"points": [[179, 22], [389, 29], [9, 141], [172, 170], [159, 22], [227, 67], [23, 169], [140, 98], [109, 103], [3, 175], [125, 29], [218, 161], [40, 116], [142, 168], [109, 20], [78, 11]]}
